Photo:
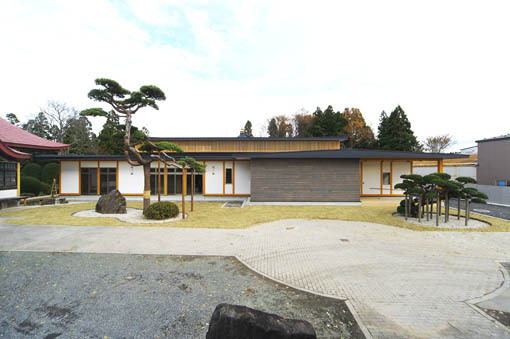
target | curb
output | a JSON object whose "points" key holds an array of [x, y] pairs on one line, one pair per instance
{"points": [[355, 314]]}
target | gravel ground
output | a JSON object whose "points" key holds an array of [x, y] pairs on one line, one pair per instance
{"points": [[502, 212], [64, 295], [133, 215], [499, 306]]}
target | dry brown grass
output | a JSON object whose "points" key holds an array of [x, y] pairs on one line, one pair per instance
{"points": [[211, 215]]}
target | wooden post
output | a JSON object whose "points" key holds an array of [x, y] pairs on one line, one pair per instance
{"points": [[192, 187], [440, 166], [458, 208], [405, 207], [438, 208], [427, 209], [183, 192], [159, 180], [419, 209]]}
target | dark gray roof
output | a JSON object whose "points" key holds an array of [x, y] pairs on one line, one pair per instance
{"points": [[355, 153], [346, 153], [502, 137], [340, 138]]}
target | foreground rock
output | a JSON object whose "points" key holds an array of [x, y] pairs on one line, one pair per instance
{"points": [[236, 322], [111, 203]]}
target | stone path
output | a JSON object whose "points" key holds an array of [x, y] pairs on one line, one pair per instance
{"points": [[399, 282]]}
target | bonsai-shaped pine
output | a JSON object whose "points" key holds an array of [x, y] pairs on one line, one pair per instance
{"points": [[470, 194], [195, 167], [412, 185], [125, 104]]}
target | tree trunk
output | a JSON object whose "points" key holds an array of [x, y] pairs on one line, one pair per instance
{"points": [[438, 209], [405, 207], [466, 213], [446, 207], [427, 209], [458, 208], [419, 209], [146, 185]]}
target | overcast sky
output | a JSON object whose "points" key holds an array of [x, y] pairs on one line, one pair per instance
{"points": [[220, 63]]}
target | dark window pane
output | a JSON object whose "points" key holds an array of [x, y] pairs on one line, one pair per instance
{"points": [[228, 176]]}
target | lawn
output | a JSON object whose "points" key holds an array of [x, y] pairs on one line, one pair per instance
{"points": [[211, 215]]}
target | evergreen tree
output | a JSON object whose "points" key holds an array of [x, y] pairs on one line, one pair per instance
{"points": [[328, 123], [272, 128], [12, 118], [79, 136], [395, 132], [39, 126], [360, 135], [247, 129]]}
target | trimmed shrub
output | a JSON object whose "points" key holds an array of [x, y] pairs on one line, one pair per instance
{"points": [[30, 185], [34, 186], [161, 210], [32, 170], [45, 188], [49, 172]]}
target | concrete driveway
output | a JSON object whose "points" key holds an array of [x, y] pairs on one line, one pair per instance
{"points": [[399, 283]]}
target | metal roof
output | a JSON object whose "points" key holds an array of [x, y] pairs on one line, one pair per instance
{"points": [[502, 137], [346, 153], [340, 138]]}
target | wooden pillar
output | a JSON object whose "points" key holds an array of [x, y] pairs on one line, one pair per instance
{"points": [[18, 181], [183, 192], [159, 181], [440, 166], [165, 181], [192, 187]]}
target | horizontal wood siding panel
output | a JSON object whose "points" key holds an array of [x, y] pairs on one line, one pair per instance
{"points": [[320, 180], [244, 145]]}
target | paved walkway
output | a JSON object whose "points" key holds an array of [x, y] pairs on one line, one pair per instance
{"points": [[400, 283], [497, 211]]}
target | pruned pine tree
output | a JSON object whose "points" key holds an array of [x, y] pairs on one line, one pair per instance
{"points": [[125, 104]]}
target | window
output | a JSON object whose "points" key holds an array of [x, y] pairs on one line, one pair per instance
{"points": [[88, 181], [108, 179], [386, 178], [228, 175], [8, 175]]}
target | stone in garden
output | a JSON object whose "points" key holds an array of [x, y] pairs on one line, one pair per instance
{"points": [[234, 321], [111, 203]]}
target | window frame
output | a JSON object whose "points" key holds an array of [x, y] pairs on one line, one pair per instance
{"points": [[7, 167]]}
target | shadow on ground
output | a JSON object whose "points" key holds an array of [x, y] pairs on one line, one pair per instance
{"points": [[51, 295]]}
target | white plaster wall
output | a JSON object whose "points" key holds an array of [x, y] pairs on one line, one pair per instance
{"points": [[8, 193], [70, 177], [242, 177], [89, 164], [108, 164], [371, 177], [229, 188], [213, 177], [454, 171], [130, 178], [399, 168]]}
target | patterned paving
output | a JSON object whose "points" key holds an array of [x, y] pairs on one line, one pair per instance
{"points": [[400, 283]]}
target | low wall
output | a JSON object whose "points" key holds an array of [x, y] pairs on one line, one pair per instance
{"points": [[496, 194]]}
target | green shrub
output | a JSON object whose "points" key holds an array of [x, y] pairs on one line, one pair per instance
{"points": [[30, 185], [32, 170], [26, 194], [49, 172], [161, 210], [45, 188]]}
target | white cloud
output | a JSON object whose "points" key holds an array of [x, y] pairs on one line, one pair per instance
{"points": [[446, 63]]}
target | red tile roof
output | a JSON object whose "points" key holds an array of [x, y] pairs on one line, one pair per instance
{"points": [[11, 135]]}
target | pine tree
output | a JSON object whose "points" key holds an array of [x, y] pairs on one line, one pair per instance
{"points": [[272, 128], [328, 123], [247, 129], [395, 132]]}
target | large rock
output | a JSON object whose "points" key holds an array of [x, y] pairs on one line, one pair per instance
{"points": [[241, 322], [111, 203]]}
